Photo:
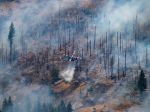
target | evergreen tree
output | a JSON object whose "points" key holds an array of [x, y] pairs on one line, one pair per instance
{"points": [[4, 105], [10, 101], [56, 110], [51, 108], [44, 108], [9, 105], [142, 82], [69, 108], [62, 107], [10, 39], [55, 75]]}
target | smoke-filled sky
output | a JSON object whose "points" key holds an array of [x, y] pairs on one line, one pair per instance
{"points": [[122, 12], [118, 14], [27, 15]]}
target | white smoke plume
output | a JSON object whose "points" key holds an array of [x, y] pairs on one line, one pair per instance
{"points": [[68, 73]]}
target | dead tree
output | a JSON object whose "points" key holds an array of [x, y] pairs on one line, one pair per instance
{"points": [[106, 42], [105, 62], [60, 46], [65, 43], [69, 35], [90, 48], [82, 54], [118, 67], [87, 43], [2, 57], [94, 44], [53, 58], [100, 43], [146, 58], [120, 42], [6, 57], [87, 71], [125, 63], [117, 38], [112, 65], [73, 43], [135, 31]]}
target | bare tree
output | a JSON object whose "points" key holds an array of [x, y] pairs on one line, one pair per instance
{"points": [[146, 57], [94, 44], [118, 67], [87, 43], [112, 65], [90, 49]]}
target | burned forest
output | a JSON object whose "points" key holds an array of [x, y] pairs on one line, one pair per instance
{"points": [[74, 56]]}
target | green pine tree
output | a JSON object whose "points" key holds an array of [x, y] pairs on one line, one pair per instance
{"points": [[51, 108], [9, 101], [55, 75], [69, 108], [44, 108], [4, 105], [10, 39], [9, 105], [62, 107], [142, 82]]}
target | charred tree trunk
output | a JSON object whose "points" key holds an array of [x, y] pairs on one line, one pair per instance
{"points": [[118, 67], [82, 54], [112, 65], [120, 42], [146, 58], [117, 38], [87, 43], [73, 44], [53, 58], [106, 42], [69, 35], [125, 61], [90, 48], [94, 44]]}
